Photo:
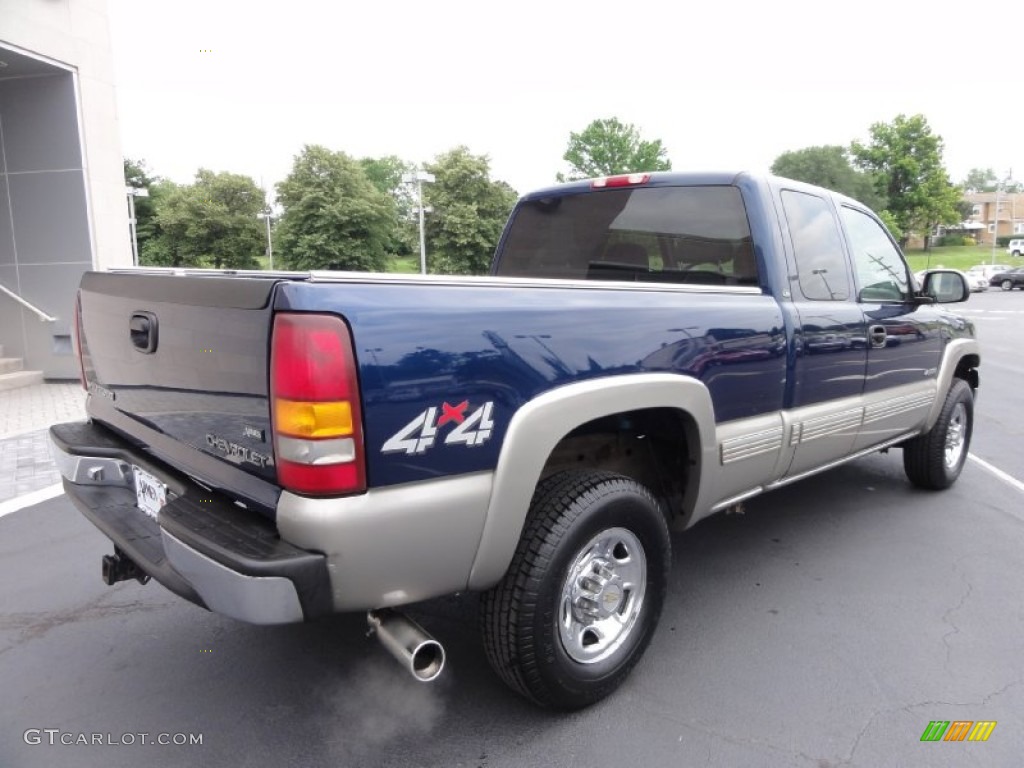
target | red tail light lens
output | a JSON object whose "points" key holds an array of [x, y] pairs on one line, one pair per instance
{"points": [[315, 408]]}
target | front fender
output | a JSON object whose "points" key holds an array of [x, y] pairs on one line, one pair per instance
{"points": [[954, 352]]}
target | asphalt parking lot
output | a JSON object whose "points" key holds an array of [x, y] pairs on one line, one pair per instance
{"points": [[825, 627]]}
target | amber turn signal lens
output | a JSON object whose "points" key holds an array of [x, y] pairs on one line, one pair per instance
{"points": [[301, 418]]}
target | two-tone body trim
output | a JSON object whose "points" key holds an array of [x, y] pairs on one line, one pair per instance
{"points": [[823, 426], [749, 446], [897, 406]]}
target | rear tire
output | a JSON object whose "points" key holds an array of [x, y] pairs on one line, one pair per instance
{"points": [[935, 459], [582, 597], [1006, 285]]}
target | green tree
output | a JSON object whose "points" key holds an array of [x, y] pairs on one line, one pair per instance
{"points": [[980, 180], [334, 217], [609, 147], [169, 244], [138, 176], [469, 212], [210, 223], [890, 223], [828, 166], [905, 158], [386, 174], [986, 180]]}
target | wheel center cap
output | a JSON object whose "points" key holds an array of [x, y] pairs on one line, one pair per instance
{"points": [[611, 598]]}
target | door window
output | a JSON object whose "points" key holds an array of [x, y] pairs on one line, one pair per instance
{"points": [[881, 272]]}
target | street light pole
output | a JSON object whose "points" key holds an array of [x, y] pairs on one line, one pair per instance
{"points": [[131, 227], [995, 226], [419, 177], [132, 193], [423, 232], [267, 215], [270, 243]]}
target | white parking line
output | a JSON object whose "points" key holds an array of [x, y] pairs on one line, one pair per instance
{"points": [[1005, 477], [20, 502]]}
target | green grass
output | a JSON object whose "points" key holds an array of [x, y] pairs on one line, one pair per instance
{"points": [[961, 257], [406, 264]]}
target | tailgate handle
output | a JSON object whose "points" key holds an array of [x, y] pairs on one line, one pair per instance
{"points": [[142, 328]]}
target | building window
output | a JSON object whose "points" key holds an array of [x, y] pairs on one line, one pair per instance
{"points": [[1018, 229], [991, 229], [976, 210]]}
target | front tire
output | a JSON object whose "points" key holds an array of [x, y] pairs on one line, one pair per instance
{"points": [[935, 459], [1006, 285], [582, 597]]}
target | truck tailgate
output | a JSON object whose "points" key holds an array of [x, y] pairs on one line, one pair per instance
{"points": [[178, 364]]}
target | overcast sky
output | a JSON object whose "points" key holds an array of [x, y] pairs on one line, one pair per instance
{"points": [[241, 86]]}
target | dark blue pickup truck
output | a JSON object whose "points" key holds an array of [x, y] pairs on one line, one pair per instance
{"points": [[648, 350]]}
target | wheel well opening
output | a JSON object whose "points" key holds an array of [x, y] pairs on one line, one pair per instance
{"points": [[657, 447], [967, 369]]}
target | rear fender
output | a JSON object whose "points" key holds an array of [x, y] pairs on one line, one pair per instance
{"points": [[537, 428]]}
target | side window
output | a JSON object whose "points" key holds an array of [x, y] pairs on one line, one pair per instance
{"points": [[881, 271], [820, 263]]}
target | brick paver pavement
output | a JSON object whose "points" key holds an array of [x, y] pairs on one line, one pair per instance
{"points": [[25, 416]]}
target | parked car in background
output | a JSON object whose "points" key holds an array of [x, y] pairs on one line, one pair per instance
{"points": [[1016, 247], [985, 272], [1008, 280], [977, 278]]}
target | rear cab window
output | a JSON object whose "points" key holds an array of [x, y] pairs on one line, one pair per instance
{"points": [[693, 234], [822, 271]]}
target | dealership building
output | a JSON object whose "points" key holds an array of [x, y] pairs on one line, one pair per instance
{"points": [[63, 208]]}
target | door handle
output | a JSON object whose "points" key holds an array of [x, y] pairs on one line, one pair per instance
{"points": [[877, 335]]}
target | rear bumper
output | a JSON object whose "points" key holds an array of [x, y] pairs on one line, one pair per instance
{"points": [[201, 546]]}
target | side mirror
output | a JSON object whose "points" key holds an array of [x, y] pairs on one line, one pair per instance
{"points": [[946, 286]]}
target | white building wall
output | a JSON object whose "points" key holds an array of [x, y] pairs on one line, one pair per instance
{"points": [[76, 33]]}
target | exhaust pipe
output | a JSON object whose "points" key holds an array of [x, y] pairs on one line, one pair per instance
{"points": [[408, 642], [119, 567]]}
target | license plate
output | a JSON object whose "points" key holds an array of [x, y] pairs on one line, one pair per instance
{"points": [[150, 493]]}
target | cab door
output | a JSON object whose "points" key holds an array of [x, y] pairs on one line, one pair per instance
{"points": [[904, 343], [829, 355]]}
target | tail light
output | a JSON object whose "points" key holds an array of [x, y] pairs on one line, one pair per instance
{"points": [[78, 341], [315, 409]]}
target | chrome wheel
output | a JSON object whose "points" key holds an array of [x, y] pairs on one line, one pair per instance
{"points": [[955, 433], [602, 596]]}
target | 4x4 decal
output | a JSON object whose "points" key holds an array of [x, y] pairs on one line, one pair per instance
{"points": [[420, 433]]}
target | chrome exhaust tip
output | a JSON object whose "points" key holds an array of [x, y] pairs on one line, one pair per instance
{"points": [[408, 642]]}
